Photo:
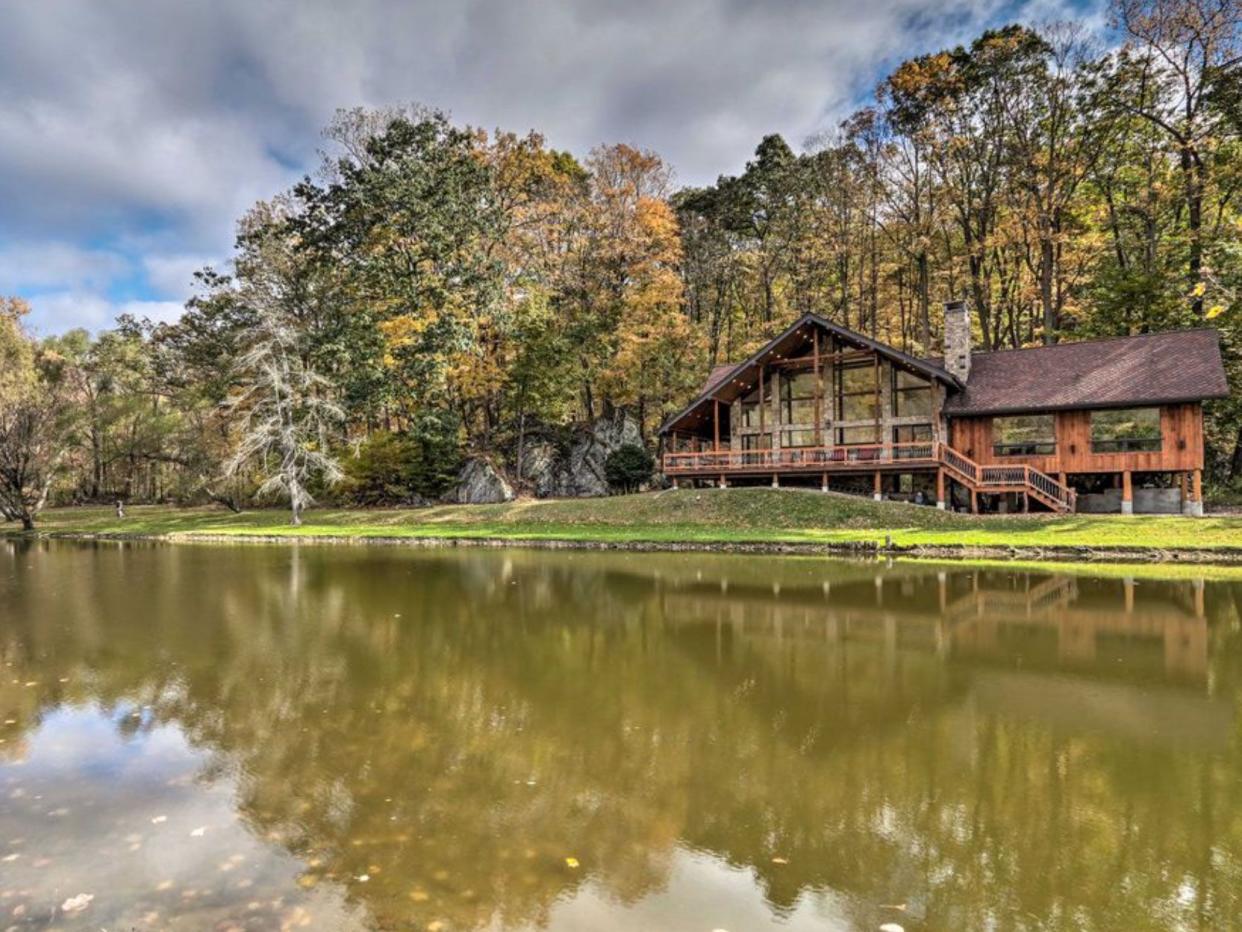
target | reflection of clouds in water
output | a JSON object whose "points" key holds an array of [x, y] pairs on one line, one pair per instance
{"points": [[702, 892], [90, 811]]}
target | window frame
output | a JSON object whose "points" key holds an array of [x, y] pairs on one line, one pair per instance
{"points": [[1132, 444], [840, 395], [1039, 447], [921, 387]]}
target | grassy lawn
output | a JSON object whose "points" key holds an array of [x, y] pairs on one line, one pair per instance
{"points": [[706, 516]]}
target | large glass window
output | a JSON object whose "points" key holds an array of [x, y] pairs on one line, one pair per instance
{"points": [[803, 437], [798, 398], [856, 394], [868, 433], [1127, 430], [912, 433], [912, 396], [1024, 435]]}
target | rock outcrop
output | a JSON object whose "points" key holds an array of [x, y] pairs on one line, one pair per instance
{"points": [[481, 483], [574, 466]]}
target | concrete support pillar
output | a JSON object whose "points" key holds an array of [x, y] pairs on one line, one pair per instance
{"points": [[676, 484], [1127, 494], [1196, 503], [724, 483], [879, 487], [776, 480], [940, 497], [823, 482]]}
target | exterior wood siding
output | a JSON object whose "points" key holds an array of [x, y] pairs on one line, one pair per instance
{"points": [[1181, 448]]}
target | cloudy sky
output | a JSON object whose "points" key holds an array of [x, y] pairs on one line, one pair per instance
{"points": [[133, 133]]}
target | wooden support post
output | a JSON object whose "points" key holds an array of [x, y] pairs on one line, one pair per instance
{"points": [[974, 502], [879, 486], [1196, 506], [724, 483], [941, 501], [819, 395], [776, 480], [823, 482], [716, 424], [1026, 502], [763, 404], [1127, 494], [1182, 490]]}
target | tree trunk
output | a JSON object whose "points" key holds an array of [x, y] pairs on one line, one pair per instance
{"points": [[296, 508], [27, 521], [1046, 261], [1193, 171]]}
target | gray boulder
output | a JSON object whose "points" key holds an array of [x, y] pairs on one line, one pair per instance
{"points": [[480, 483], [576, 469]]}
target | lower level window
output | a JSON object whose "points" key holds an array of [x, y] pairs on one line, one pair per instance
{"points": [[798, 438], [912, 433], [916, 434], [1126, 430], [1024, 435], [849, 436]]}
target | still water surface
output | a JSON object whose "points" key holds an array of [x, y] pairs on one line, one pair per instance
{"points": [[247, 737]]}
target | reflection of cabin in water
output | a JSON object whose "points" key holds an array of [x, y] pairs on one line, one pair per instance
{"points": [[1099, 425], [1077, 654], [1041, 622]]}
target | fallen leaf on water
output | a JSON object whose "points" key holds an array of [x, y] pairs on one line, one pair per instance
{"points": [[198, 832], [780, 860], [363, 878], [77, 903], [158, 819], [892, 927], [571, 862], [419, 896]]}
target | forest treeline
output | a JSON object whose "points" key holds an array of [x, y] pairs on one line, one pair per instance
{"points": [[436, 291]]}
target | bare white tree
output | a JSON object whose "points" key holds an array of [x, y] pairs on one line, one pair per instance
{"points": [[286, 409]]}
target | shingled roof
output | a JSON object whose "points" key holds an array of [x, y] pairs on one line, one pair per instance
{"points": [[1148, 369]]}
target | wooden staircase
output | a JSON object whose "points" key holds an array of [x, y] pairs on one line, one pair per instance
{"points": [[993, 479]]}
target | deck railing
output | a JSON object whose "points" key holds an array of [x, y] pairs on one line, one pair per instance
{"points": [[799, 457]]}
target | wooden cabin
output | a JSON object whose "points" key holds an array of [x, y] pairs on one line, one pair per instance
{"points": [[1103, 425]]}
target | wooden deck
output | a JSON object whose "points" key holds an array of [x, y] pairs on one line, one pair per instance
{"points": [[874, 459]]}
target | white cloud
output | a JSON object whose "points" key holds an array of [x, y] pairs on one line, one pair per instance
{"points": [[58, 311]]}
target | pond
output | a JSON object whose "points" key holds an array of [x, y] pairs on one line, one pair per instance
{"points": [[255, 737]]}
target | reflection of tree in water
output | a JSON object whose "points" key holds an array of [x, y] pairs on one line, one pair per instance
{"points": [[453, 726]]}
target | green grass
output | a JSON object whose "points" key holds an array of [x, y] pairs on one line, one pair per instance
{"points": [[704, 516]]}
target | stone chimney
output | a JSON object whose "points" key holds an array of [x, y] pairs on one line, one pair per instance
{"points": [[957, 339]]}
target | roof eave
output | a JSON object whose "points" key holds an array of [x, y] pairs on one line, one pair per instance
{"points": [[1089, 406]]}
